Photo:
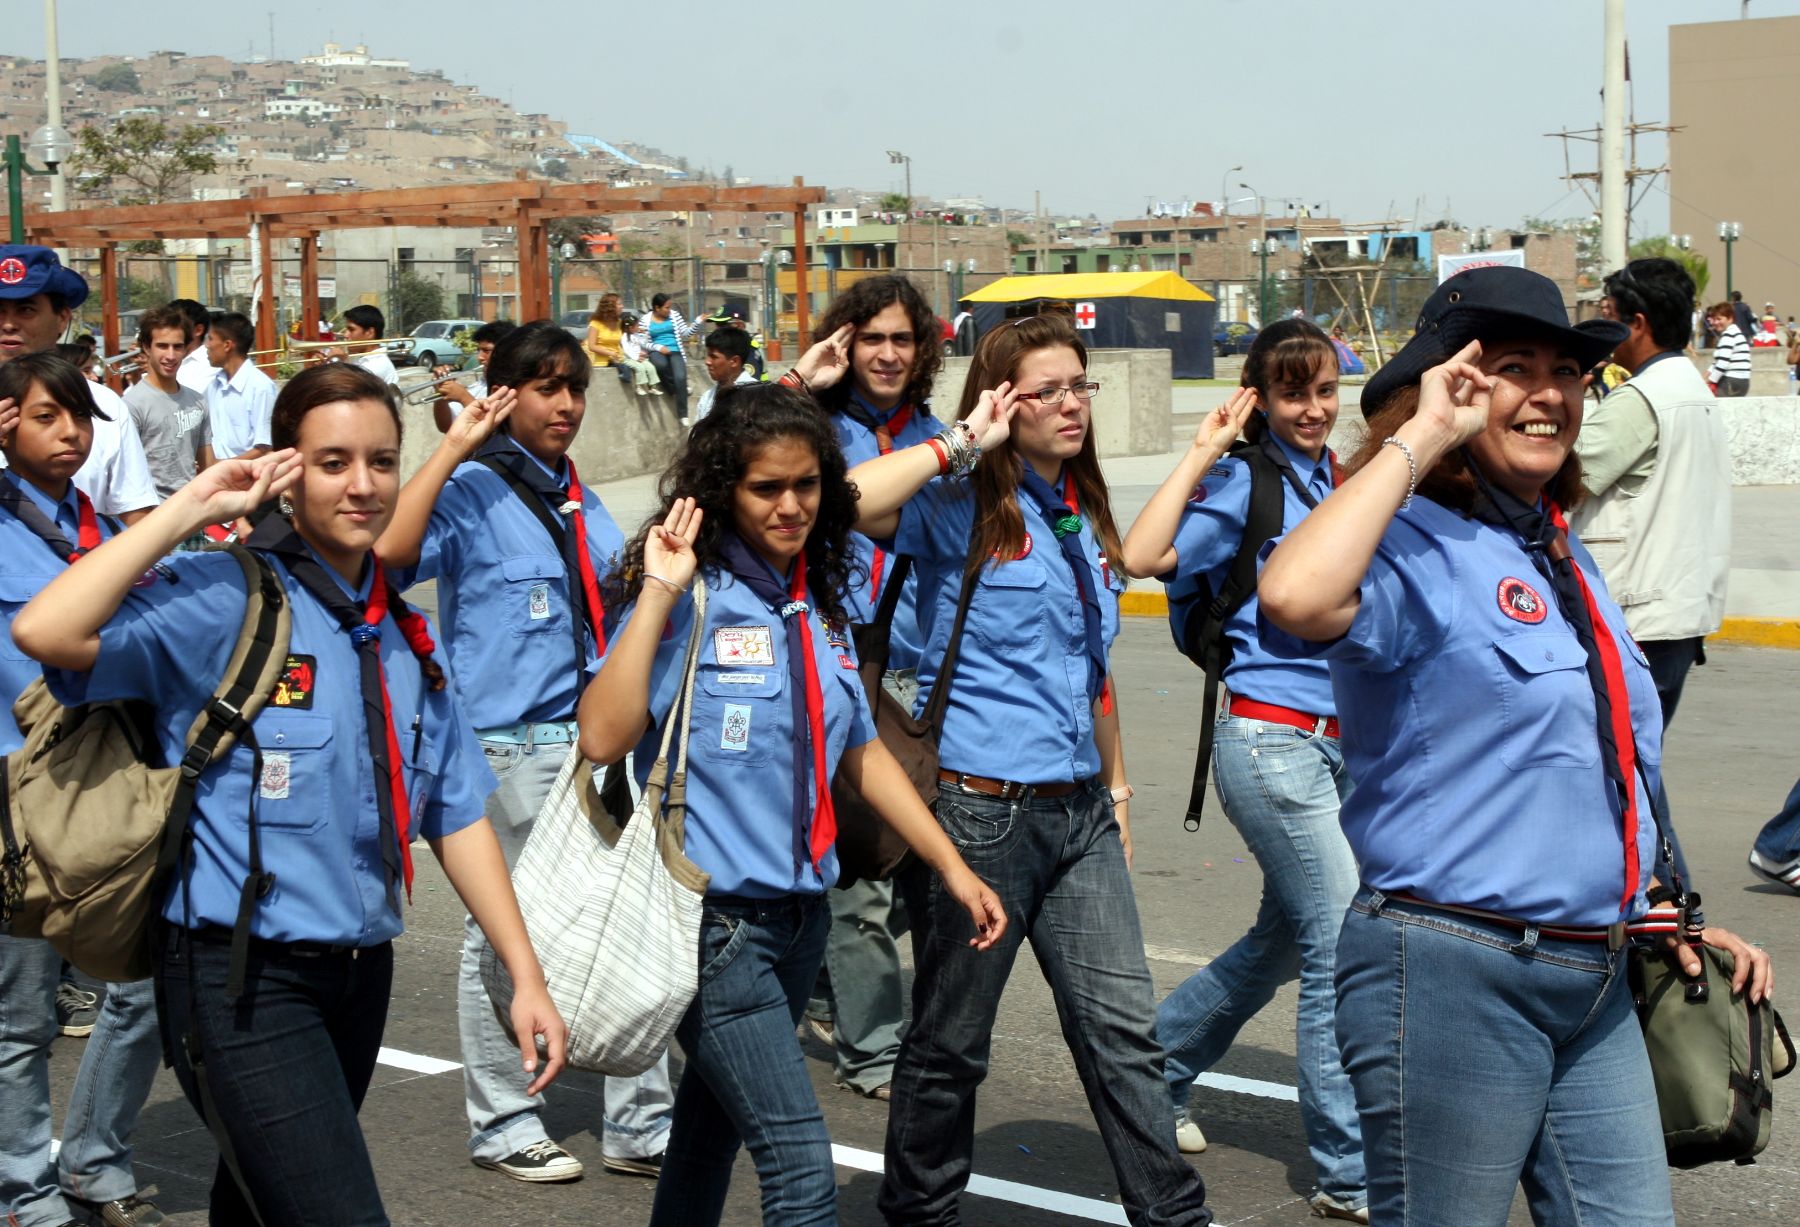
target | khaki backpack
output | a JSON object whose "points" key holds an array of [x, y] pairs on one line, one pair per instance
{"points": [[93, 822]]}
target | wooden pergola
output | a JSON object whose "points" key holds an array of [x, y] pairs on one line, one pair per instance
{"points": [[261, 217]]}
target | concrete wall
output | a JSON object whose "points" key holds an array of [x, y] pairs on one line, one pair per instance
{"points": [[1133, 413], [623, 434], [1765, 439]]}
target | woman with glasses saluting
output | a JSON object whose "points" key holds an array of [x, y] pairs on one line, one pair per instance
{"points": [[1032, 787]]}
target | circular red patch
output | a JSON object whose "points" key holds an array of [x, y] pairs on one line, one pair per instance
{"points": [[1521, 602], [1024, 551], [12, 270]]}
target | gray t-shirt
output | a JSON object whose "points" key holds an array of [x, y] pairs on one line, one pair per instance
{"points": [[172, 429]]}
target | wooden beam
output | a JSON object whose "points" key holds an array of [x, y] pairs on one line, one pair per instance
{"points": [[109, 308], [800, 289], [309, 287], [266, 331]]}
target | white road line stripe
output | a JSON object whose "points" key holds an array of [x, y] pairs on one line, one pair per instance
{"points": [[1088, 1208], [414, 1062], [1250, 1086]]}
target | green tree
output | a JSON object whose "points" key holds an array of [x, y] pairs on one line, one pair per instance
{"points": [[1692, 261], [117, 79], [139, 292], [417, 298], [142, 160], [556, 168], [560, 230], [894, 202]]}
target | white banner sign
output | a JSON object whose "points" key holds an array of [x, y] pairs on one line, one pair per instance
{"points": [[1449, 266]]}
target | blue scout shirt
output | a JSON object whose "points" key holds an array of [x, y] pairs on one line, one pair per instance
{"points": [[1019, 706], [1468, 724], [740, 819], [27, 566], [315, 801], [859, 444], [1206, 540], [504, 596]]}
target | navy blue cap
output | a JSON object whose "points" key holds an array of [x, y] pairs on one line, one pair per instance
{"points": [[1494, 302], [26, 271]]}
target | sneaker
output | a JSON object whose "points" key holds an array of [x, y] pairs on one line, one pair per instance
{"points": [[884, 1092], [821, 1028], [656, 389], [539, 1163], [1324, 1205], [686, 423], [76, 1009], [642, 390], [1188, 1138], [133, 1211], [651, 1167], [1784, 873]]}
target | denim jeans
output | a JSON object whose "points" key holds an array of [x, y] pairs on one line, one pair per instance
{"points": [[288, 1064], [671, 370], [746, 1082], [503, 1119], [1670, 660], [1282, 788], [1484, 1057], [1059, 869], [117, 1067], [1779, 840]]}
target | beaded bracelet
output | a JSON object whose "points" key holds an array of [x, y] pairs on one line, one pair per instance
{"points": [[1412, 468]]}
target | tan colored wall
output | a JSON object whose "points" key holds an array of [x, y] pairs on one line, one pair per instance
{"points": [[1729, 80]]}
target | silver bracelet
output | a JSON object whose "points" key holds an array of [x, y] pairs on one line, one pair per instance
{"points": [[1412, 468], [669, 582], [960, 452]]}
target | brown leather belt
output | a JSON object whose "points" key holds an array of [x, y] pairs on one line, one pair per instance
{"points": [[1006, 790]]}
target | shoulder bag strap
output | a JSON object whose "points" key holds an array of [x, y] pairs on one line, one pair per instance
{"points": [[534, 502], [938, 704], [659, 777], [14, 500], [882, 628]]}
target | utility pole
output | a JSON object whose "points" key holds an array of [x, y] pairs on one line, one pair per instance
{"points": [[59, 184], [1613, 239], [1729, 234]]}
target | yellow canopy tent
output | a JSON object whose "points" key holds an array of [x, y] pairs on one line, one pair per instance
{"points": [[1113, 311]]}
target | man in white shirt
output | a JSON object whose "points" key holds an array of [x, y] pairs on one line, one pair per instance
{"points": [[363, 326], [455, 395], [240, 399], [195, 372]]}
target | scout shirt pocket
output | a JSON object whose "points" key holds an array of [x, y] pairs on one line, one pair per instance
{"points": [[15, 591], [1546, 702], [1007, 610], [536, 599], [293, 792], [739, 713], [423, 764]]}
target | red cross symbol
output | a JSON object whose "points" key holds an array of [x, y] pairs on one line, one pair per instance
{"points": [[1084, 315], [12, 270]]}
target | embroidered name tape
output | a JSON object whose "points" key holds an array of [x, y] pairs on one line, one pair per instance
{"points": [[744, 645]]}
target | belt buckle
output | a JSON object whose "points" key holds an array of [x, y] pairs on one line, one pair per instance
{"points": [[1615, 937]]}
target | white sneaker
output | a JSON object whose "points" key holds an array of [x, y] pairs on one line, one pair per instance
{"points": [[1188, 1138], [656, 389], [1324, 1205], [642, 391], [1783, 873]]}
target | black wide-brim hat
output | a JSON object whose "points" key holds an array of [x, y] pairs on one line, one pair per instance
{"points": [[1495, 302]]}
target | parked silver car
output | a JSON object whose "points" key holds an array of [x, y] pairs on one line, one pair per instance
{"points": [[434, 341]]}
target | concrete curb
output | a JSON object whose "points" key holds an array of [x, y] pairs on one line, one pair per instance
{"points": [[1738, 632]]}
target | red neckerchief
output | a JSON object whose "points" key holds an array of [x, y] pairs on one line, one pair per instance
{"points": [[590, 584], [418, 636], [87, 533], [824, 823], [1619, 699], [884, 439]]}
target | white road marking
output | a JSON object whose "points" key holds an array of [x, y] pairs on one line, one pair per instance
{"points": [[414, 1062]]}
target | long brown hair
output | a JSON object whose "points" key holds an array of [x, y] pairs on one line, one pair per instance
{"points": [[1285, 353], [606, 311], [999, 524], [1449, 483]]}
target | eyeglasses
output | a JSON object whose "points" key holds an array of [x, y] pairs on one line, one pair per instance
{"points": [[1054, 396]]}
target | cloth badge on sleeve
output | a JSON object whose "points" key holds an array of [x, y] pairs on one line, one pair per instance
{"points": [[277, 774], [1521, 602], [734, 730], [743, 645], [295, 689], [537, 602]]}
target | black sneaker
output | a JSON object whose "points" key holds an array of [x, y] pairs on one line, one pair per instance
{"points": [[539, 1163], [651, 1167], [76, 1010], [133, 1211]]}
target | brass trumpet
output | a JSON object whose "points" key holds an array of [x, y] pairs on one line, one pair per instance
{"points": [[392, 345], [427, 392]]}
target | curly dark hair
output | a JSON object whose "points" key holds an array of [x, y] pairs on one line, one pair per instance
{"points": [[861, 303], [745, 419]]}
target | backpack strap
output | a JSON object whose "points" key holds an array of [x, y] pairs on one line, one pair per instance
{"points": [[939, 702], [1206, 624], [42, 527]]}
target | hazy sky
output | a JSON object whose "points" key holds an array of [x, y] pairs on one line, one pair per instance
{"points": [[1379, 107]]}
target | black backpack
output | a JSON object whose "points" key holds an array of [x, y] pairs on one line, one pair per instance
{"points": [[1197, 614]]}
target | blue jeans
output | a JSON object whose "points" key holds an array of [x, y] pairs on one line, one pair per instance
{"points": [[1059, 869], [1484, 1057], [1779, 840], [1282, 788], [671, 370], [288, 1063], [503, 1119], [746, 1082], [118, 1065]]}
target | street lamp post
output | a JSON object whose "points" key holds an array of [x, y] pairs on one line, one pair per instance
{"points": [[896, 158], [51, 146], [1224, 198], [1262, 249], [1729, 233]]}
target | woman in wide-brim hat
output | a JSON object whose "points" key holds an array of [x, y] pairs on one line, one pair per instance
{"points": [[1505, 737]]}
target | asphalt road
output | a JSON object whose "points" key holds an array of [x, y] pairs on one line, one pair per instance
{"points": [[1732, 757]]}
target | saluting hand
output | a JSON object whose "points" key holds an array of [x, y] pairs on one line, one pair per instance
{"points": [[669, 547], [1454, 397], [232, 488], [991, 418], [480, 419], [9, 420], [825, 363], [984, 907], [534, 1018], [1225, 423]]}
